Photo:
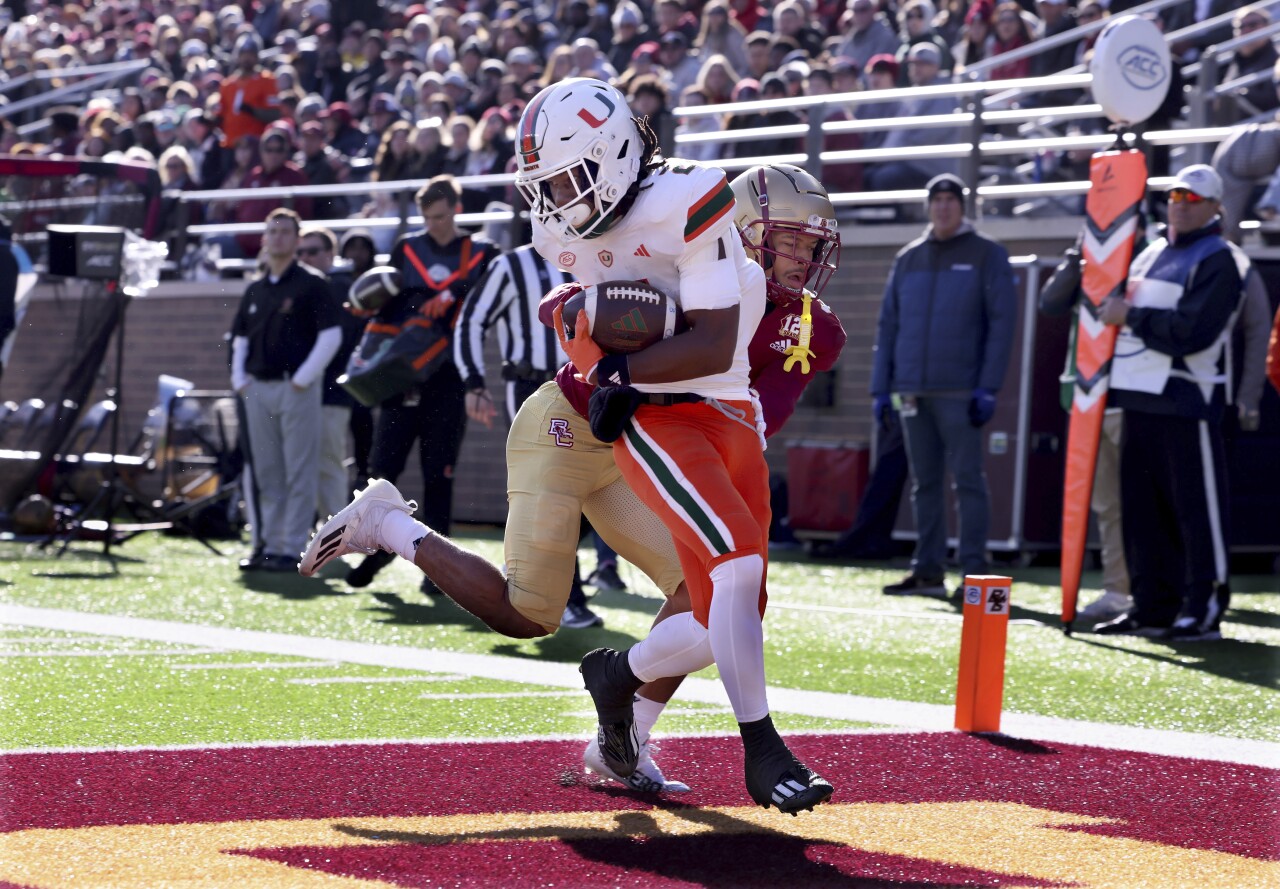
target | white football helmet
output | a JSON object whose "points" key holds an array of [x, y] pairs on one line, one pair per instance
{"points": [[784, 198], [582, 127]]}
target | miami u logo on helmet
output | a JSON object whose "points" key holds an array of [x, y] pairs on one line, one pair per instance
{"points": [[597, 122]]}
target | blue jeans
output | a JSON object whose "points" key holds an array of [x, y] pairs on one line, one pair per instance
{"points": [[941, 438]]}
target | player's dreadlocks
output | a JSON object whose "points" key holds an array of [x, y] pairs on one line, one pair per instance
{"points": [[650, 160]]}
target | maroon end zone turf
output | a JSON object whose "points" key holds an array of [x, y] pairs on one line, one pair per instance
{"points": [[1192, 804]]}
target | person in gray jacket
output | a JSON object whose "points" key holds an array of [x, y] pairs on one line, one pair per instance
{"points": [[942, 346], [924, 61]]}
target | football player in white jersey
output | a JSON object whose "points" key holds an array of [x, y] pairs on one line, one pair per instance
{"points": [[605, 206]]}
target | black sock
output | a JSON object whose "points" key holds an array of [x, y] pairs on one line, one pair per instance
{"points": [[758, 735], [620, 673]]}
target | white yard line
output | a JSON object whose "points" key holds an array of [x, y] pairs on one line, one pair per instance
{"points": [[253, 665], [372, 680], [494, 695], [856, 708], [109, 652]]}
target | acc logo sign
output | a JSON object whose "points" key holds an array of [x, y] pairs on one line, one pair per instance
{"points": [[1142, 68], [567, 259]]}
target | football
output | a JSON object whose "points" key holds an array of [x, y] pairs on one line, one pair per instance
{"points": [[374, 289], [625, 316]]}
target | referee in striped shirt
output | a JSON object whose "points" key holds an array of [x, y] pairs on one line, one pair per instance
{"points": [[508, 296]]}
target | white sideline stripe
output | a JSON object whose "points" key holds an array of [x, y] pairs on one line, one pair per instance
{"points": [[256, 665], [110, 652], [854, 708], [658, 737], [372, 680], [950, 617], [493, 695]]}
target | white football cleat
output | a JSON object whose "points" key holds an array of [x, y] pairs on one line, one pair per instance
{"points": [[647, 778], [356, 527]]}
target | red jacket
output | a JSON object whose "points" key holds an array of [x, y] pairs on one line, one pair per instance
{"points": [[256, 210]]}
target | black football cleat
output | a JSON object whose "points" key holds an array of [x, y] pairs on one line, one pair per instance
{"points": [[775, 777], [612, 685]]}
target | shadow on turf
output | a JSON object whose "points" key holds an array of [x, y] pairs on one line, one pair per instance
{"points": [[288, 585], [1254, 663], [729, 852], [563, 645]]}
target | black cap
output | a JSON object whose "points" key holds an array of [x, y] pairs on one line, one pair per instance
{"points": [[945, 182]]}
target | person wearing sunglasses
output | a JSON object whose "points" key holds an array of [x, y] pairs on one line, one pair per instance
{"points": [[275, 170], [917, 27], [1252, 58], [1170, 375]]}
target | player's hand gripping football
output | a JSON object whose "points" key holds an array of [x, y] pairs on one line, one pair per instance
{"points": [[582, 349]]}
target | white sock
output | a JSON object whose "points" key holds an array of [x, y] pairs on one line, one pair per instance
{"points": [[676, 647], [736, 635], [646, 714], [401, 533]]}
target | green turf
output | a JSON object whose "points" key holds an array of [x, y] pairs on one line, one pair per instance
{"points": [[829, 629]]}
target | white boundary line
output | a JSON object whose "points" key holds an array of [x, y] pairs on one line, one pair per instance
{"points": [[856, 708]]}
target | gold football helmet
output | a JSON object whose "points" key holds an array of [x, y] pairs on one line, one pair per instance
{"points": [[784, 198]]}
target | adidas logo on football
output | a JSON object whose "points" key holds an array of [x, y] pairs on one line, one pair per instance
{"points": [[642, 251], [632, 322]]}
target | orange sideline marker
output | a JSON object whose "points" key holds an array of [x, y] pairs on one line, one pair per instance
{"points": [[980, 686]]}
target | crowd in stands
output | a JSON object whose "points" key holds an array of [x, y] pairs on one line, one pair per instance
{"points": [[261, 93]]}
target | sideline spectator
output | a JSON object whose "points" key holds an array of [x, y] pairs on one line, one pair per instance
{"points": [[923, 62], [629, 31], [790, 20], [709, 151], [1061, 294], [1252, 58], [882, 74], [320, 164], [397, 158], [359, 250], [773, 87], [758, 62], [250, 96], [869, 34], [842, 176], [1251, 152], [942, 346], [345, 134], [1169, 377], [204, 141], [491, 149], [917, 29], [273, 172], [1012, 32], [717, 79], [1057, 19], [316, 249], [675, 57], [721, 35], [977, 42], [284, 333]]}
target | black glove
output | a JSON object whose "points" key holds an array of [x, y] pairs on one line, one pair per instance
{"points": [[610, 411], [982, 407]]}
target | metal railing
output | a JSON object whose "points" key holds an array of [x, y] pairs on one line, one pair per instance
{"points": [[95, 76]]}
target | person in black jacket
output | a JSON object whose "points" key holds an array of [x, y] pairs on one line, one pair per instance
{"points": [[1170, 377], [285, 332], [317, 249], [439, 266], [942, 346]]}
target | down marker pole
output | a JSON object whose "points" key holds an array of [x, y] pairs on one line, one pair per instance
{"points": [[980, 684]]}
